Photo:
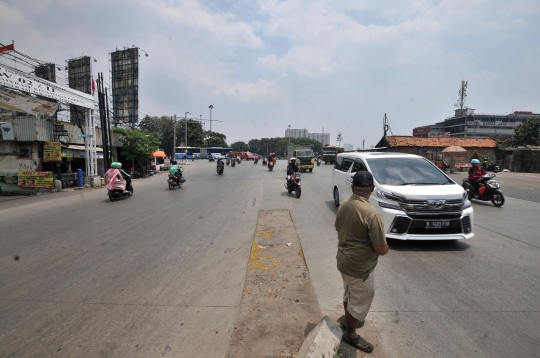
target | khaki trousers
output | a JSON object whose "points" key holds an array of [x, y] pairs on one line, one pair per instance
{"points": [[359, 294]]}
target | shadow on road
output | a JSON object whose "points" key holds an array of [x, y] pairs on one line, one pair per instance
{"points": [[331, 206], [484, 203], [428, 245]]}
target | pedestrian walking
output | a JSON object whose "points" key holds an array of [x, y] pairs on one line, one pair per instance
{"points": [[362, 240]]}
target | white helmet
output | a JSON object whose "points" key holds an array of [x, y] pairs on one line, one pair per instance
{"points": [[293, 160]]}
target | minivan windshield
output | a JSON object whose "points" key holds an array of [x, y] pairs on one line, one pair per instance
{"points": [[406, 171]]}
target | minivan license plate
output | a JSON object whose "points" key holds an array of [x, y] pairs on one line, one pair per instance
{"points": [[437, 224]]}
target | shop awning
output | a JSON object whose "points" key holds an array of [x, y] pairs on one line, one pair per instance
{"points": [[77, 151], [159, 154]]}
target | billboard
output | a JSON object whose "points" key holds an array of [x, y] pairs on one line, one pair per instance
{"points": [[16, 101], [13, 78], [52, 152], [80, 79], [125, 85], [35, 179], [47, 72]]}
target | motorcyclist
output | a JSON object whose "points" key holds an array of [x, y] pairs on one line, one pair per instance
{"points": [[175, 169], [125, 176], [291, 169], [475, 174], [220, 162]]}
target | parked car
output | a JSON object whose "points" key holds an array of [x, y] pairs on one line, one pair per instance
{"points": [[416, 199]]}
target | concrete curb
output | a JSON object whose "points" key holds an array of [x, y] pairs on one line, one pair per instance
{"points": [[322, 341]]}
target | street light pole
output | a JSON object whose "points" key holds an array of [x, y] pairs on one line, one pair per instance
{"points": [[185, 134], [210, 106], [174, 138], [289, 134]]}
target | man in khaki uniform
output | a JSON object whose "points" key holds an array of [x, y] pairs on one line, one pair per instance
{"points": [[361, 240]]}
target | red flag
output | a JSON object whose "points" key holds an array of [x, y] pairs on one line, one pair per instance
{"points": [[7, 48], [93, 86]]}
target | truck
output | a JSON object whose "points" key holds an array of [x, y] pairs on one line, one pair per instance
{"points": [[305, 158], [330, 153]]}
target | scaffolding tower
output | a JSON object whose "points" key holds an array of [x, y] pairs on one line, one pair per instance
{"points": [[125, 86]]}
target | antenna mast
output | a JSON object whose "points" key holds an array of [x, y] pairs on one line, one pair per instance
{"points": [[462, 95], [386, 125]]}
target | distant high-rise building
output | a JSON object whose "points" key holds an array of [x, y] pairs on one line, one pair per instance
{"points": [[296, 133], [466, 123], [324, 138], [348, 147]]}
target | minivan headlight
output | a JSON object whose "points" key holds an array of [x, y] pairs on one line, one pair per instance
{"points": [[383, 204], [389, 196], [467, 204]]}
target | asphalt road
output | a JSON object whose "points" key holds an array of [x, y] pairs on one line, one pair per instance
{"points": [[161, 273]]}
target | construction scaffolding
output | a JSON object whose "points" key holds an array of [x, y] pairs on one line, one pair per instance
{"points": [[125, 86], [46, 71], [80, 79]]}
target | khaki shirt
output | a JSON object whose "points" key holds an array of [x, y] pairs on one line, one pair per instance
{"points": [[360, 226]]}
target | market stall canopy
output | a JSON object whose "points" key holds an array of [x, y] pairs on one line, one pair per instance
{"points": [[454, 149], [159, 154]]}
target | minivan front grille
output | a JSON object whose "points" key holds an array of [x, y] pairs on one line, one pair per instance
{"points": [[415, 207]]}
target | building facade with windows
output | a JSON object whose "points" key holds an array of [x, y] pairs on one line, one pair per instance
{"points": [[324, 138], [348, 147], [296, 133], [467, 123]]}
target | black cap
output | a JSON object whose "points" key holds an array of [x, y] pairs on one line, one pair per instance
{"points": [[363, 179]]}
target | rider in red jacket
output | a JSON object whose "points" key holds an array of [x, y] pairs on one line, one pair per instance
{"points": [[475, 174]]}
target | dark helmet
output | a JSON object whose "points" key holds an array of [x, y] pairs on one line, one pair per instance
{"points": [[173, 162]]}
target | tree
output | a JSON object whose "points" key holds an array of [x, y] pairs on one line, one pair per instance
{"points": [[137, 146], [239, 146], [162, 128], [195, 133], [215, 139], [255, 146], [339, 139], [527, 133]]}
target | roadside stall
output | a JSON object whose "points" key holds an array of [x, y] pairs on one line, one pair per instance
{"points": [[158, 160], [454, 155]]}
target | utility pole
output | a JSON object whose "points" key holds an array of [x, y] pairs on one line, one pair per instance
{"points": [[174, 137]]}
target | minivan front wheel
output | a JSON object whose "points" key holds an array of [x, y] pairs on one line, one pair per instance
{"points": [[336, 197]]}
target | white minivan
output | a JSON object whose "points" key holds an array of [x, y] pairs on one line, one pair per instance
{"points": [[416, 199]]}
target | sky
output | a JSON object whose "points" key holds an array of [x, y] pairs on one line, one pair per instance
{"points": [[268, 64]]}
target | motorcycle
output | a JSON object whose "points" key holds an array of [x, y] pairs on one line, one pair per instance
{"points": [[490, 167], [220, 168], [270, 166], [264, 161], [211, 159], [256, 160], [117, 194], [227, 161], [233, 163], [489, 190], [239, 161], [318, 161], [175, 180], [294, 183]]}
